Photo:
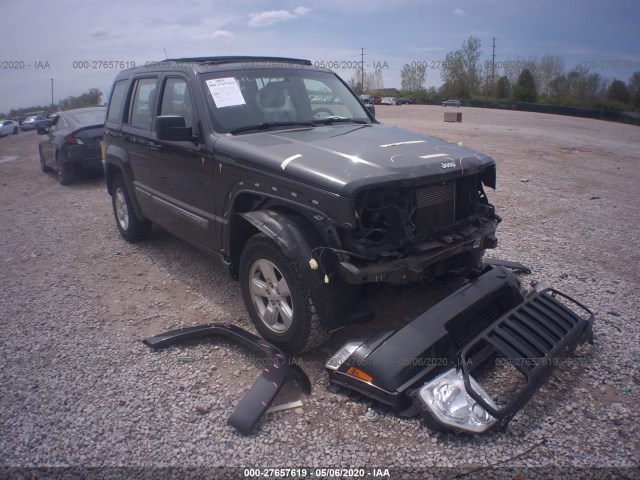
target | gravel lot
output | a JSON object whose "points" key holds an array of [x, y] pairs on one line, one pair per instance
{"points": [[78, 387]]}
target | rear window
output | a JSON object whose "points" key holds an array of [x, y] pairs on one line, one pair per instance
{"points": [[117, 100], [89, 117]]}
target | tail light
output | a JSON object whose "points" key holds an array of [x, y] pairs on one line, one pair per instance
{"points": [[71, 140]]}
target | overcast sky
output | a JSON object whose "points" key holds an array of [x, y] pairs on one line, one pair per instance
{"points": [[41, 40]]}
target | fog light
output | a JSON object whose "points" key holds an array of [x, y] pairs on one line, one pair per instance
{"points": [[341, 355], [446, 398]]}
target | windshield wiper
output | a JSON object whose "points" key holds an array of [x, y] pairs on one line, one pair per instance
{"points": [[269, 125], [336, 119]]}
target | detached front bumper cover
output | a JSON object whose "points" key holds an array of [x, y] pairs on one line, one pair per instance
{"points": [[425, 367], [278, 367]]}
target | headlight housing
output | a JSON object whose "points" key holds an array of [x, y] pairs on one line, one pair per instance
{"points": [[341, 355], [447, 400]]}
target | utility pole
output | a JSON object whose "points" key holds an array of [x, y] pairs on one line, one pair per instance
{"points": [[52, 95], [493, 63], [362, 70]]}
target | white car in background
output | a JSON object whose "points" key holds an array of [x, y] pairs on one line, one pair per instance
{"points": [[8, 127]]}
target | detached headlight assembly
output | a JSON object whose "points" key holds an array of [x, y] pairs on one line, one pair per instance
{"points": [[341, 355], [446, 398]]}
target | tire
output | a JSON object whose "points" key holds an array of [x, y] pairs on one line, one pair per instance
{"points": [[43, 166], [65, 171], [15, 130], [131, 229], [277, 298]]}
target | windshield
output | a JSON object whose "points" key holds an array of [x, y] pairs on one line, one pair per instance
{"points": [[263, 99]]}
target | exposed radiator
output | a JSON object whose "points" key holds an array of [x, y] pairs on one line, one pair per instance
{"points": [[436, 207]]}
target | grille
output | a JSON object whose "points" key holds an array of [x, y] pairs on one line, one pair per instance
{"points": [[436, 207], [535, 329]]}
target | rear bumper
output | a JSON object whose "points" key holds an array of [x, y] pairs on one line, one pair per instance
{"points": [[83, 154]]}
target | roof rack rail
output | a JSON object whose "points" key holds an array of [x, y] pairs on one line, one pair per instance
{"points": [[237, 59]]}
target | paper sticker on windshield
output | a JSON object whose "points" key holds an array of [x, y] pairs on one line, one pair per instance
{"points": [[225, 92]]}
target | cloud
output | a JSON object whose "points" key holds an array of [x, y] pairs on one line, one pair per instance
{"points": [[264, 19], [269, 18], [217, 35], [459, 11], [98, 32]]}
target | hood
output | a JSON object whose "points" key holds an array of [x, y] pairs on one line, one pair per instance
{"points": [[348, 157]]}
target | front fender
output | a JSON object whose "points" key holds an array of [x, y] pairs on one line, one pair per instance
{"points": [[337, 302]]}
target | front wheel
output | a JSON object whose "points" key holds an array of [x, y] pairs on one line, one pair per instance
{"points": [[132, 229], [277, 298]]}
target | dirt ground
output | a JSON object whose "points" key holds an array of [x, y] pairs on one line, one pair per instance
{"points": [[567, 191]]}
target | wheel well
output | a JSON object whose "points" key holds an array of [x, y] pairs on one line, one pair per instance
{"points": [[241, 230], [110, 172]]}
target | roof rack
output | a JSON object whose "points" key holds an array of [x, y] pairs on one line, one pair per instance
{"points": [[238, 59]]}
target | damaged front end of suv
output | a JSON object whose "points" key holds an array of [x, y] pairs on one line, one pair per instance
{"points": [[437, 365], [415, 233]]}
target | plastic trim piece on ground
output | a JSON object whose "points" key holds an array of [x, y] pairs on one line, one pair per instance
{"points": [[277, 368]]}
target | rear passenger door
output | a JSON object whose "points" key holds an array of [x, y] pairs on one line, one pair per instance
{"points": [[181, 171], [135, 138]]}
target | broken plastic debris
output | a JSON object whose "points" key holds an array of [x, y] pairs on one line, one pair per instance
{"points": [[285, 406], [313, 264]]}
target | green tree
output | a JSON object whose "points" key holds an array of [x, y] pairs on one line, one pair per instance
{"points": [[525, 88], [634, 89], [461, 71], [373, 81], [618, 91], [412, 77], [502, 87]]}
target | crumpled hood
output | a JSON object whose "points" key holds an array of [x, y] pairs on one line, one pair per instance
{"points": [[347, 157]]}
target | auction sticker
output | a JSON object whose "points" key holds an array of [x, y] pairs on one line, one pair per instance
{"points": [[225, 92]]}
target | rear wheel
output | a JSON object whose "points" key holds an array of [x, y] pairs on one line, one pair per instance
{"points": [[277, 298], [132, 229], [65, 171], [15, 130]]}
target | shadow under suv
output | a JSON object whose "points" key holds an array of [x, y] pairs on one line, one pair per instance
{"points": [[305, 202]]}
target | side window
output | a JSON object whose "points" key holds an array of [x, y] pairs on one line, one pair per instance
{"points": [[117, 101], [141, 103], [176, 100]]}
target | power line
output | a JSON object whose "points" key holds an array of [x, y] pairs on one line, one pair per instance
{"points": [[362, 70]]}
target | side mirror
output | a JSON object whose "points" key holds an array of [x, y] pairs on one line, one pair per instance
{"points": [[372, 109], [172, 128]]}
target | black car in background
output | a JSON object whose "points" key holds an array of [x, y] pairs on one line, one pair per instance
{"points": [[73, 140]]}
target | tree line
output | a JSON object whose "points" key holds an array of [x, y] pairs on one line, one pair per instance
{"points": [[543, 80], [88, 99]]}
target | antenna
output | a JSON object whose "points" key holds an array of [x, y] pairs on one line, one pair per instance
{"points": [[165, 54]]}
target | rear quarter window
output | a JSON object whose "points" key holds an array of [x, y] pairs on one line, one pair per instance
{"points": [[118, 95]]}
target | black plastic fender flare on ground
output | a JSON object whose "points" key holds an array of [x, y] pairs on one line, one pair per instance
{"points": [[278, 367]]}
